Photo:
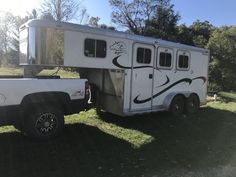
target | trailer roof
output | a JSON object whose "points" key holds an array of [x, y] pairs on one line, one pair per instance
{"points": [[108, 32]]}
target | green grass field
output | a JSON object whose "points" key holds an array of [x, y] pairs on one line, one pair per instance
{"points": [[203, 144]]}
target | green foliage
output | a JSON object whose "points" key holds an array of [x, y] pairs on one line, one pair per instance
{"points": [[163, 23], [201, 32], [223, 60], [184, 35], [197, 34]]}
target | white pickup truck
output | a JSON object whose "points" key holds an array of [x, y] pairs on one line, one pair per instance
{"points": [[37, 106]]}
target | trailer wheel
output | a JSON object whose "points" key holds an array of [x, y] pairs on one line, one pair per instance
{"points": [[192, 104], [177, 105], [45, 122]]}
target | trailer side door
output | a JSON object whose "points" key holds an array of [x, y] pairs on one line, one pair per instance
{"points": [[142, 77]]}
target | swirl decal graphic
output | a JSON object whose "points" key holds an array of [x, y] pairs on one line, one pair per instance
{"points": [[117, 64], [167, 81], [201, 77], [189, 81]]}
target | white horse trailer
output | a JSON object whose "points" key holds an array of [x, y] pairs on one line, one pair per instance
{"points": [[130, 74]]}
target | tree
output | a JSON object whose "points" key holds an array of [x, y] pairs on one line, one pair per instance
{"points": [[62, 10], [6, 29], [147, 17], [201, 32], [83, 16], [34, 13], [222, 45], [184, 35], [128, 15], [197, 34], [164, 22], [9, 38], [93, 21]]}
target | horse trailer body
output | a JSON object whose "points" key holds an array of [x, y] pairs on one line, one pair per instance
{"points": [[132, 74]]}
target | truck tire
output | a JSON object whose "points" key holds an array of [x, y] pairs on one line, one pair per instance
{"points": [[192, 104], [18, 122], [44, 122], [177, 105], [19, 125]]}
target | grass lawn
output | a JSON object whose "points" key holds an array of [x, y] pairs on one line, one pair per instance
{"points": [[19, 71], [203, 144], [228, 95]]}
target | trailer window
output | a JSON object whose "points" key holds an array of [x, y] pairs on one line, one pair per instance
{"points": [[144, 55], [95, 48], [165, 60], [183, 61], [49, 46], [24, 46]]}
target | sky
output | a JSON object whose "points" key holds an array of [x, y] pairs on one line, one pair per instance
{"points": [[217, 12], [18, 7]]}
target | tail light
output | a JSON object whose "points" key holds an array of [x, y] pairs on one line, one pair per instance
{"points": [[87, 91]]}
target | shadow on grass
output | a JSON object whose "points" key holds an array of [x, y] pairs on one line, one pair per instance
{"points": [[204, 140]]}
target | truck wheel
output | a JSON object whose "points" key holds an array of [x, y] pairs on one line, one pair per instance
{"points": [[177, 105], [45, 122], [192, 104]]}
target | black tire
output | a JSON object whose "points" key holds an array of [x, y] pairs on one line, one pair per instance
{"points": [[177, 105], [19, 126], [192, 104], [18, 122], [44, 122]]}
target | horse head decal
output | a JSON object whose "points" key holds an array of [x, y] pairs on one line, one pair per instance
{"points": [[119, 48]]}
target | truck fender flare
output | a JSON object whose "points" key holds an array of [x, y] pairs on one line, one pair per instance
{"points": [[59, 98]]}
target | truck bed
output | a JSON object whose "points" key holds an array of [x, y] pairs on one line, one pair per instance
{"points": [[13, 90]]}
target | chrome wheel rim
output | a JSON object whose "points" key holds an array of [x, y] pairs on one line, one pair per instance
{"points": [[46, 123]]}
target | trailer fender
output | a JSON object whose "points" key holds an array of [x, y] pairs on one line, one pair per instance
{"points": [[168, 99]]}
